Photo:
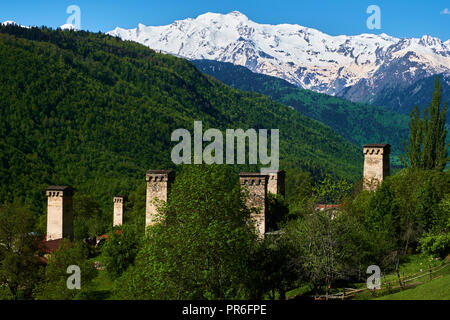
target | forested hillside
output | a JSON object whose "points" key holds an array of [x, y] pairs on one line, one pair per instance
{"points": [[357, 122], [403, 100], [95, 112]]}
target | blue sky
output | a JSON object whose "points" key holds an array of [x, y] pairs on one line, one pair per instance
{"points": [[399, 18]]}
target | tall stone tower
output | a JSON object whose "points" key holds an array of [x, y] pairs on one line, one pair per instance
{"points": [[159, 183], [59, 212], [376, 165], [256, 184], [276, 182], [118, 210]]}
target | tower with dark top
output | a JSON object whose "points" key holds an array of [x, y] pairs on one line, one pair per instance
{"points": [[159, 183], [376, 165], [276, 182], [59, 212], [119, 202]]}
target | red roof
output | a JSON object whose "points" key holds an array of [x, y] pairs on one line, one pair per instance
{"points": [[328, 207], [51, 245], [105, 236]]}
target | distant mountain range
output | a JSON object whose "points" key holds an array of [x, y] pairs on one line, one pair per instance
{"points": [[366, 68]]}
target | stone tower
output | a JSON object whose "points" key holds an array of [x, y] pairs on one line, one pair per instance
{"points": [[59, 212], [256, 184], [376, 165], [118, 210], [159, 183], [275, 184]]}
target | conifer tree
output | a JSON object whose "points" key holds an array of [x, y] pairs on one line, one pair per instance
{"points": [[426, 147]]}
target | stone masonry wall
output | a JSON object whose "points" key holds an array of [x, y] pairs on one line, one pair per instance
{"points": [[256, 184], [159, 183], [376, 165], [118, 211], [276, 182], [59, 213]]}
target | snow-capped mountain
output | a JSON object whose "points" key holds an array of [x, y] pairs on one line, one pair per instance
{"points": [[355, 67], [12, 23], [6, 23], [66, 26]]}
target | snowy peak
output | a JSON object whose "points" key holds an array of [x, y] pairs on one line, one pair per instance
{"points": [[6, 23], [447, 44], [429, 41], [67, 26], [303, 56], [237, 14], [213, 15], [434, 44], [13, 23]]}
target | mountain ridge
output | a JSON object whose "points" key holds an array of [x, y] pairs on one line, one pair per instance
{"points": [[304, 56]]}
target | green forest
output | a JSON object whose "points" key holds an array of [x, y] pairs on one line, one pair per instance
{"points": [[357, 122], [95, 112]]}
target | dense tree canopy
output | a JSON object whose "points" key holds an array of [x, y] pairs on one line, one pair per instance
{"points": [[427, 148], [200, 249], [20, 252], [58, 270], [94, 112], [359, 123]]}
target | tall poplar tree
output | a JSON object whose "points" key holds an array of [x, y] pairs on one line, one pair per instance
{"points": [[426, 147]]}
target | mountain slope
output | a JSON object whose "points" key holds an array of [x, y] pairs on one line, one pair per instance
{"points": [[357, 68], [417, 93], [356, 122], [95, 112]]}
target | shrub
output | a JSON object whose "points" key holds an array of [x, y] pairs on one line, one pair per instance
{"points": [[436, 245]]}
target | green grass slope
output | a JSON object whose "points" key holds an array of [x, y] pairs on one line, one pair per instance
{"points": [[437, 289], [95, 112], [414, 267]]}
